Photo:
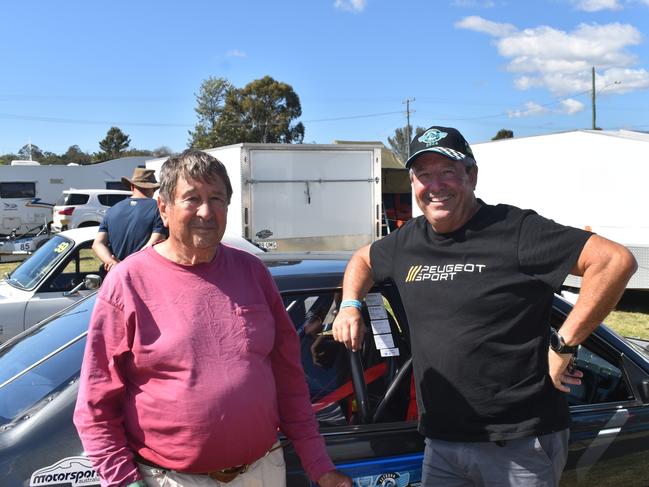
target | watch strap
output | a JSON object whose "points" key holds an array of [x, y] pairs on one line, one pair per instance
{"points": [[561, 346]]}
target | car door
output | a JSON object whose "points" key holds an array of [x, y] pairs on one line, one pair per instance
{"points": [[364, 402], [609, 442], [51, 295], [13, 302]]}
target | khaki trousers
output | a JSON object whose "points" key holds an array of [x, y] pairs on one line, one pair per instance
{"points": [[268, 471]]}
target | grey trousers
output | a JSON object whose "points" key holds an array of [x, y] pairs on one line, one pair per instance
{"points": [[529, 462]]}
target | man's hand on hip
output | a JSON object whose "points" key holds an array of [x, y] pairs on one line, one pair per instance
{"points": [[349, 328], [560, 372]]}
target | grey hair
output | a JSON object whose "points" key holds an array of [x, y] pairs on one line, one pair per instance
{"points": [[192, 164]]}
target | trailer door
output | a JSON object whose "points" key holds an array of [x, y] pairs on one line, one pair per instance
{"points": [[312, 200]]}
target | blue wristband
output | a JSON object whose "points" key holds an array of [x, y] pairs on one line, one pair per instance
{"points": [[351, 303]]}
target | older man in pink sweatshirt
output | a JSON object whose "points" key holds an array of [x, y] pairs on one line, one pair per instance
{"points": [[192, 364]]}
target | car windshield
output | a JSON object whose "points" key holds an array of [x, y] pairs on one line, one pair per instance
{"points": [[44, 362], [28, 274]]}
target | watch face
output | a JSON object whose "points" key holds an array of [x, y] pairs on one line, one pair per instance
{"points": [[555, 340]]}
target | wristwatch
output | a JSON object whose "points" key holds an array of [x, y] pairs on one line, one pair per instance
{"points": [[558, 344]]}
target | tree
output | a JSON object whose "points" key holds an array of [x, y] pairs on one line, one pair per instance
{"points": [[137, 152], [114, 144], [210, 101], [30, 152], [163, 151], [503, 134], [74, 155], [7, 158], [48, 157], [399, 143], [263, 111]]}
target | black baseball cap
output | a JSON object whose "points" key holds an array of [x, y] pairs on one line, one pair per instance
{"points": [[444, 140]]}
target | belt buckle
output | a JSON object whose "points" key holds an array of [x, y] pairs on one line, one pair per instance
{"points": [[227, 475]]}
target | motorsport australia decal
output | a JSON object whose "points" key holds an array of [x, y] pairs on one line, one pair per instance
{"points": [[447, 272], [69, 472]]}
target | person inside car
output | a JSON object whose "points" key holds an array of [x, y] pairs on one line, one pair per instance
{"points": [[477, 284], [192, 363]]}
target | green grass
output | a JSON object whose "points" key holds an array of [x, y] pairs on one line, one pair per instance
{"points": [[631, 315], [89, 263], [7, 267], [629, 324]]}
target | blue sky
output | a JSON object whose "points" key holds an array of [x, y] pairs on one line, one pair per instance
{"points": [[72, 69]]}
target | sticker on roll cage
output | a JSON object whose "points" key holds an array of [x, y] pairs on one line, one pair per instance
{"points": [[68, 472]]}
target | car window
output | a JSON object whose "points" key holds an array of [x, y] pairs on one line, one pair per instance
{"points": [[80, 263], [111, 199], [604, 380], [74, 199], [17, 190], [43, 363], [327, 364], [28, 274]]}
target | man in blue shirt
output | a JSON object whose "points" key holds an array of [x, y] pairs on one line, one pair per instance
{"points": [[133, 223]]}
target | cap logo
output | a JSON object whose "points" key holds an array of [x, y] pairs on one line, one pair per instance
{"points": [[432, 137]]}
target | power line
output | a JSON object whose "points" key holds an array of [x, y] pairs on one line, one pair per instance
{"points": [[58, 120], [31, 118]]}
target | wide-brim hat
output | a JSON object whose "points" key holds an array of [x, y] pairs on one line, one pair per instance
{"points": [[444, 140], [142, 178]]}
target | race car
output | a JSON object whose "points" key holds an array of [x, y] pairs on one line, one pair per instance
{"points": [[364, 401]]}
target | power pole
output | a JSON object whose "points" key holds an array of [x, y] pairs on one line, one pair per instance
{"points": [[407, 102], [593, 99]]}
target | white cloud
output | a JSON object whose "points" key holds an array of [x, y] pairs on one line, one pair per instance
{"points": [[617, 80], [571, 106], [350, 5], [235, 53], [561, 61], [479, 24], [531, 109], [596, 5]]}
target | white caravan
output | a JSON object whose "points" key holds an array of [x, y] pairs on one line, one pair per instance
{"points": [[28, 190]]}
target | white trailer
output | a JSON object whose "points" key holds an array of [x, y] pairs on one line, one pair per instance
{"points": [[589, 179], [289, 197], [29, 190]]}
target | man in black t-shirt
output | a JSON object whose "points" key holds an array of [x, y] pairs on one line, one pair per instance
{"points": [[477, 283]]}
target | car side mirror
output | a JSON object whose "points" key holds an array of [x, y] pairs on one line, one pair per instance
{"points": [[644, 391], [91, 282]]}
